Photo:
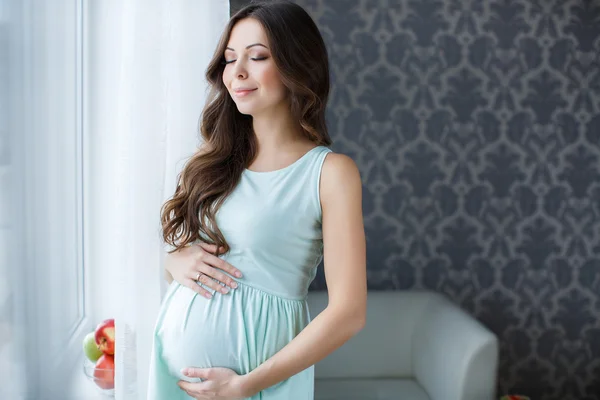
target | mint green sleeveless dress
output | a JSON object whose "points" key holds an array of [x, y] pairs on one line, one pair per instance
{"points": [[272, 221]]}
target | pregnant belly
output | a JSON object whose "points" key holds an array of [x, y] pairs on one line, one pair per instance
{"points": [[239, 330]]}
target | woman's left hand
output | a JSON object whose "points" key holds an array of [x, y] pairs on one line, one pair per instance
{"points": [[217, 384]]}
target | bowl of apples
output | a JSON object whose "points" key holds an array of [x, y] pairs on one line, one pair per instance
{"points": [[99, 360]]}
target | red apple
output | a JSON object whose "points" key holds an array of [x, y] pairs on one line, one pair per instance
{"points": [[104, 372], [105, 336]]}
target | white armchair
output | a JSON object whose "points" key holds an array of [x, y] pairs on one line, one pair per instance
{"points": [[416, 345]]}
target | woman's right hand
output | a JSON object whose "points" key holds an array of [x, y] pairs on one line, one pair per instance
{"points": [[198, 260]]}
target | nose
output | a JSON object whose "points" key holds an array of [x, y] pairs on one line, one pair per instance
{"points": [[240, 71]]}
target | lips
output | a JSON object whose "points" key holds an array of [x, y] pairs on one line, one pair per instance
{"points": [[241, 92]]}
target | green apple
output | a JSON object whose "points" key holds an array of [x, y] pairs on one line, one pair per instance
{"points": [[90, 348]]}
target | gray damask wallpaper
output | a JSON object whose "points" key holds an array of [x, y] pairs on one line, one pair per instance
{"points": [[476, 127]]}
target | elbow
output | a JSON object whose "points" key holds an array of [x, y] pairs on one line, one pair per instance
{"points": [[351, 316], [347, 322], [359, 315], [356, 321], [360, 321]]}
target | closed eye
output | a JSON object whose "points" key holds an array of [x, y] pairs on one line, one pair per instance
{"points": [[254, 59]]}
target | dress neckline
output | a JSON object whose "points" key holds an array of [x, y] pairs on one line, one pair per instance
{"points": [[249, 171]]}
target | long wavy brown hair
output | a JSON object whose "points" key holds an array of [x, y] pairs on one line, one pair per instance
{"points": [[229, 142]]}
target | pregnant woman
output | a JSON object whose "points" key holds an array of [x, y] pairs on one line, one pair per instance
{"points": [[266, 197]]}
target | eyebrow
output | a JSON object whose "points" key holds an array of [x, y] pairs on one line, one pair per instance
{"points": [[250, 45]]}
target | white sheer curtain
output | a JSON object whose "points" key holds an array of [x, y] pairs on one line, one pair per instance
{"points": [[146, 64], [11, 369], [126, 79], [42, 305]]}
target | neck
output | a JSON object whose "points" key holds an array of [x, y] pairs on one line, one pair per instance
{"points": [[276, 130]]}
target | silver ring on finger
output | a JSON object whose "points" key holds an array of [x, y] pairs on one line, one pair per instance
{"points": [[199, 276]]}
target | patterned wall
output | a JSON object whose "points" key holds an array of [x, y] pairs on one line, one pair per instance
{"points": [[476, 127]]}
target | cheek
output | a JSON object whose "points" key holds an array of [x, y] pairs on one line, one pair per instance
{"points": [[226, 78], [271, 79]]}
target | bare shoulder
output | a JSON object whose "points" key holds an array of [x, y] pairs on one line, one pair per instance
{"points": [[340, 177], [339, 168]]}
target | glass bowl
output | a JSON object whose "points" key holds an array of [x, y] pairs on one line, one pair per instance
{"points": [[101, 378]]}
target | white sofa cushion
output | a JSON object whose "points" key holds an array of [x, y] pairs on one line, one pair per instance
{"points": [[369, 389]]}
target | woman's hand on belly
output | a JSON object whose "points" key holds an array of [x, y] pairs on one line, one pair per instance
{"points": [[197, 264], [217, 384]]}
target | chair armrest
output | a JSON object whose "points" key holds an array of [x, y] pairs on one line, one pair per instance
{"points": [[454, 356]]}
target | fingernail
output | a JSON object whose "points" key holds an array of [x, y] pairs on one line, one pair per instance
{"points": [[184, 371], [238, 274], [208, 295], [234, 285], [225, 290]]}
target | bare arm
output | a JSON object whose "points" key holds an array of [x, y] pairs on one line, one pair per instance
{"points": [[345, 272]]}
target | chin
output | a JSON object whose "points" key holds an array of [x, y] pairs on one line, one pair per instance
{"points": [[244, 112], [244, 108], [253, 109]]}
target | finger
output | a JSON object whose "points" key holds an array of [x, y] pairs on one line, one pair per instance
{"points": [[185, 386], [193, 372], [206, 280], [191, 389], [211, 248], [218, 275], [192, 284], [221, 264]]}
